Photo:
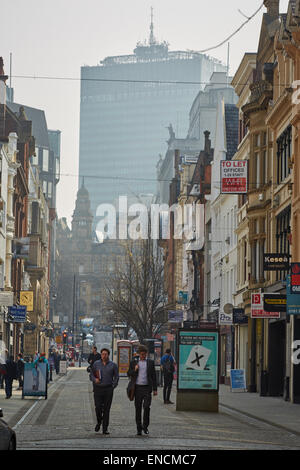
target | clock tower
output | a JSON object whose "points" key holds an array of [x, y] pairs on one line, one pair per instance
{"points": [[82, 217]]}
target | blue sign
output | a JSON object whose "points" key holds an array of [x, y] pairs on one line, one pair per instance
{"points": [[17, 313], [198, 360], [292, 300], [237, 379], [175, 316]]}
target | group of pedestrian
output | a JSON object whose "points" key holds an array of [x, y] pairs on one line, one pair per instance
{"points": [[11, 370], [105, 377]]}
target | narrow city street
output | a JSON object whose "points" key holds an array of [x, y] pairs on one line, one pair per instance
{"points": [[66, 420]]}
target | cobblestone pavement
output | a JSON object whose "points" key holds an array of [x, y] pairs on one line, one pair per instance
{"points": [[66, 420]]}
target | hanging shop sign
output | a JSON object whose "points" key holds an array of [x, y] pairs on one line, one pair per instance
{"points": [[6, 299], [26, 298], [276, 262], [274, 302], [295, 278], [234, 176], [257, 307], [198, 364], [239, 317], [292, 300]]}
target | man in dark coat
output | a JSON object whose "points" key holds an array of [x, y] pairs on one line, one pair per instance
{"points": [[94, 356], [142, 370], [11, 374]]}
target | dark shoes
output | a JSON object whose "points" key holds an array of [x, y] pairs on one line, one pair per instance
{"points": [[139, 433], [106, 432], [145, 431], [97, 427], [168, 402]]}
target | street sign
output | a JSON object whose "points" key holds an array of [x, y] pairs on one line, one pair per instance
{"points": [[198, 360], [26, 298], [234, 176], [274, 302], [17, 314], [276, 262], [237, 379], [257, 308]]}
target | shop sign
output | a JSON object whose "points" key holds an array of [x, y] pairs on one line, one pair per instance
{"points": [[239, 317], [295, 278], [257, 308], [293, 300], [234, 176], [26, 298], [6, 299], [276, 262], [274, 302]]}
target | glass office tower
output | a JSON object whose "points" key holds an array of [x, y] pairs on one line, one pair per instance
{"points": [[127, 104]]}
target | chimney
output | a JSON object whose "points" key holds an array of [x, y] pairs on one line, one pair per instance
{"points": [[272, 7], [207, 145]]}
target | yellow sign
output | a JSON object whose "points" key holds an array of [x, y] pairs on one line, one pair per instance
{"points": [[26, 298], [58, 339]]}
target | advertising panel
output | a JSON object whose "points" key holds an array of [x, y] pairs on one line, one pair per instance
{"points": [[237, 379], [198, 360], [234, 177], [175, 316], [124, 356], [257, 307], [62, 367], [35, 380]]}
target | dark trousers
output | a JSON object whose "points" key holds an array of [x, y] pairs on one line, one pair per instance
{"points": [[168, 381], [142, 399], [103, 398], [8, 386]]}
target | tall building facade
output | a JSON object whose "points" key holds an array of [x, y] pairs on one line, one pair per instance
{"points": [[127, 102]]}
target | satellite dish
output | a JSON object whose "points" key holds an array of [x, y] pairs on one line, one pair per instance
{"points": [[228, 308]]}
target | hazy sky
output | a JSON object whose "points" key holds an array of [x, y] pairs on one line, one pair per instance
{"points": [[55, 38]]}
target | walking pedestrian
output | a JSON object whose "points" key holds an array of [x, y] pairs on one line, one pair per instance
{"points": [[168, 368], [11, 374], [105, 377], [57, 360], [94, 356], [3, 368], [142, 370], [20, 369]]}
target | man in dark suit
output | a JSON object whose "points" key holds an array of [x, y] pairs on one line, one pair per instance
{"points": [[142, 370]]}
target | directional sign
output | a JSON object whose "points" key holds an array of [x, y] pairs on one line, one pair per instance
{"points": [[17, 313]]}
